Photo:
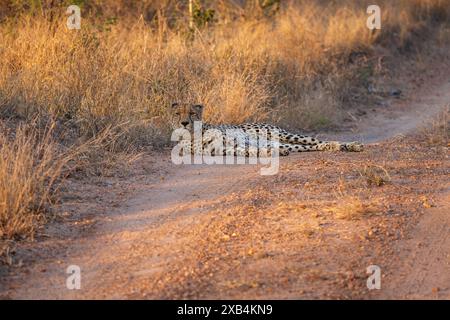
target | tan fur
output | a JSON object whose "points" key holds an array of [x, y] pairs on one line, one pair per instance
{"points": [[184, 116]]}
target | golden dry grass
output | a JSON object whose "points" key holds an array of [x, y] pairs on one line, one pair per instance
{"points": [[375, 175], [30, 165], [354, 208], [437, 132], [33, 163], [291, 68]]}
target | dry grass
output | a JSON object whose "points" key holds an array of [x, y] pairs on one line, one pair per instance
{"points": [[354, 208], [30, 166], [33, 163], [101, 154], [438, 131], [292, 68], [375, 175], [350, 206]]}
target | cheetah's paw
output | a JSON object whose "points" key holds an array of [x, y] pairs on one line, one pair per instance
{"points": [[354, 146]]}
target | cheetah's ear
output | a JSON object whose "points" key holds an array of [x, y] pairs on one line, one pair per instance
{"points": [[174, 105], [198, 107]]}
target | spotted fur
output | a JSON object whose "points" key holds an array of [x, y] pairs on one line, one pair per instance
{"points": [[184, 115]]}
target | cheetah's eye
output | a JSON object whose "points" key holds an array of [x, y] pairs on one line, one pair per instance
{"points": [[177, 113]]}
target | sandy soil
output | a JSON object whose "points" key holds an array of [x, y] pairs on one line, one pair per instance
{"points": [[422, 267], [226, 232]]}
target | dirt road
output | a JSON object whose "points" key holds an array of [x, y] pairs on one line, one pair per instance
{"points": [[226, 232], [422, 267]]}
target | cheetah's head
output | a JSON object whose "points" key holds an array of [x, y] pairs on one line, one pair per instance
{"points": [[185, 114]]}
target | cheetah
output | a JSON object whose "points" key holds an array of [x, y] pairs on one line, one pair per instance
{"points": [[186, 115]]}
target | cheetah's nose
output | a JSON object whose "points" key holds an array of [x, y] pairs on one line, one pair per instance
{"points": [[185, 123]]}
